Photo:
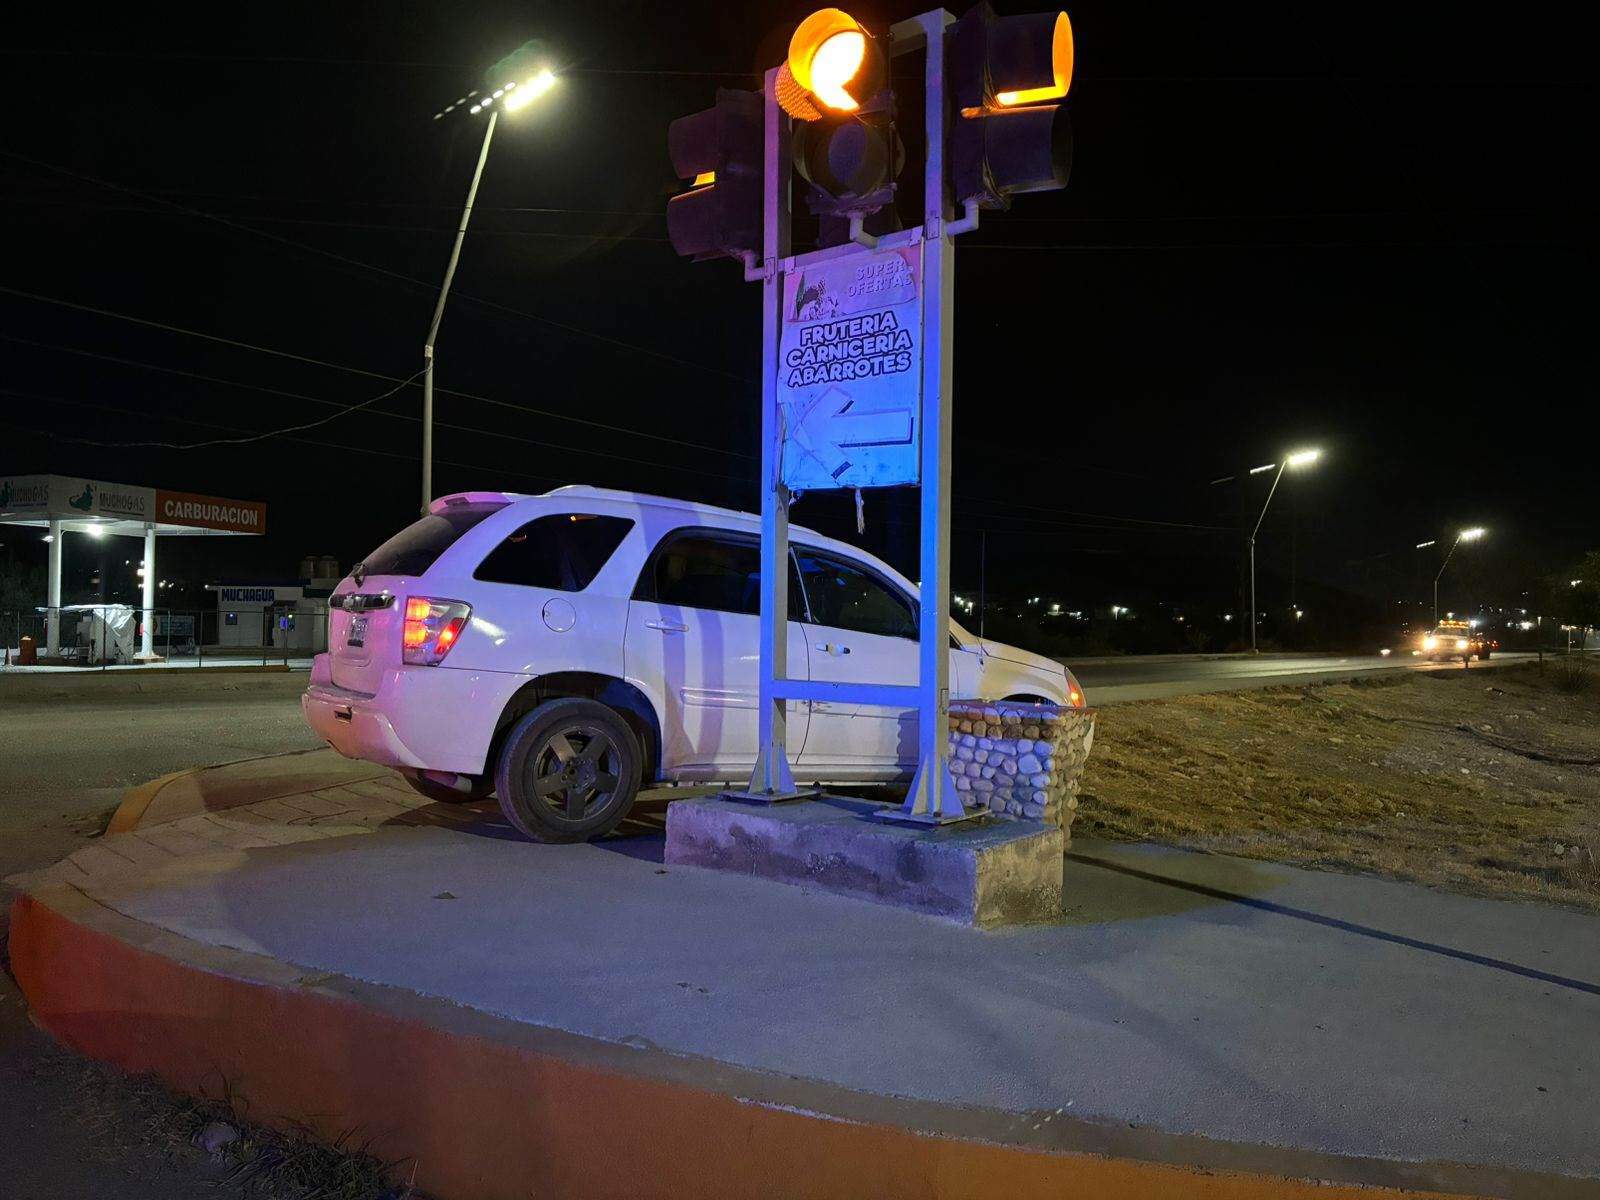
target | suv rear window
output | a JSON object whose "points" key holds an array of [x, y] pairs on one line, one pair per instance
{"points": [[716, 570], [561, 551], [418, 546]]}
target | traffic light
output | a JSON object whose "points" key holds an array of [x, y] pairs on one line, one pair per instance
{"points": [[720, 149], [835, 84], [1002, 72]]}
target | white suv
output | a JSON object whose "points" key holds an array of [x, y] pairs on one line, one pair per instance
{"points": [[559, 650]]}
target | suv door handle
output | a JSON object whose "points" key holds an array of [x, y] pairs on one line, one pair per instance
{"points": [[667, 626], [835, 648]]}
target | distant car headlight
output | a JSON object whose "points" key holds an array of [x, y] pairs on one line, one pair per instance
{"points": [[1384, 652], [1461, 643]]}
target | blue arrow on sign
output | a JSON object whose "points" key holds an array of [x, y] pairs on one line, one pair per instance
{"points": [[835, 425]]}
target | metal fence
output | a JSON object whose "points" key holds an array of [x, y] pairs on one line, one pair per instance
{"points": [[107, 636]]}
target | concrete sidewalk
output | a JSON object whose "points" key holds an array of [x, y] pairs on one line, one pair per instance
{"points": [[1188, 1008]]}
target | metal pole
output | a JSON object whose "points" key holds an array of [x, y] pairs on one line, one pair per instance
{"points": [[1270, 493], [1448, 555], [1253, 649], [771, 778], [438, 315], [52, 619], [147, 648], [983, 578], [933, 796]]}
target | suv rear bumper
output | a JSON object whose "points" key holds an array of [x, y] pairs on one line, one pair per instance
{"points": [[421, 718]]}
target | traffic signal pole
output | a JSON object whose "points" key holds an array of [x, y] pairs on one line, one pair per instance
{"points": [[772, 778], [933, 797], [994, 72]]}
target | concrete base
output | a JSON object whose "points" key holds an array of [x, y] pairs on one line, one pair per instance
{"points": [[978, 873]]}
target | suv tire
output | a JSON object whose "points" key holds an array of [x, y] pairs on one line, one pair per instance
{"points": [[441, 794], [568, 771]]}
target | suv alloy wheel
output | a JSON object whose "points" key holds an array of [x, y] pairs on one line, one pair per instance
{"points": [[568, 771]]}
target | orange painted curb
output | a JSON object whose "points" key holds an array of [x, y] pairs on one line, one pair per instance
{"points": [[490, 1109], [137, 800]]}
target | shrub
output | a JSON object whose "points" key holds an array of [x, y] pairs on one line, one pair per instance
{"points": [[1572, 675]]}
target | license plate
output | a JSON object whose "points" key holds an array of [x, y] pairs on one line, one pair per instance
{"points": [[358, 632]]}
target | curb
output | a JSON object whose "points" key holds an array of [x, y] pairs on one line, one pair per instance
{"points": [[136, 801], [489, 1108]]}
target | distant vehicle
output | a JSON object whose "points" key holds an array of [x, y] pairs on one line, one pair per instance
{"points": [[560, 650], [1456, 639]]}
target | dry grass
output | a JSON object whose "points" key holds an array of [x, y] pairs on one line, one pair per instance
{"points": [[1485, 782], [261, 1163]]}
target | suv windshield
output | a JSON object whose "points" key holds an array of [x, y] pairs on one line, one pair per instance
{"points": [[416, 547]]}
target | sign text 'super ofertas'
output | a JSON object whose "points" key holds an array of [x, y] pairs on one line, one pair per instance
{"points": [[850, 371]]}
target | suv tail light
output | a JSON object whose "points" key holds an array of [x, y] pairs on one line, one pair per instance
{"points": [[431, 627]]}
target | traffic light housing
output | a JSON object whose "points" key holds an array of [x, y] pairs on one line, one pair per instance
{"points": [[1005, 137], [720, 150], [834, 83]]}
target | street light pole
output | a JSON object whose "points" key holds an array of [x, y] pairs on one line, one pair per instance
{"points": [[1300, 458], [1466, 535], [1270, 492], [438, 315]]}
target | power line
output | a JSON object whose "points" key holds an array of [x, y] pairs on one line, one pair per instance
{"points": [[1098, 516], [508, 404], [142, 415], [408, 280], [344, 409], [244, 221], [379, 226]]}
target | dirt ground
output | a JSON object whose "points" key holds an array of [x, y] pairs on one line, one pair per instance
{"points": [[1478, 781]]}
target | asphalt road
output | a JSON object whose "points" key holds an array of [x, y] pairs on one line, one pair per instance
{"points": [[73, 746], [1109, 681]]}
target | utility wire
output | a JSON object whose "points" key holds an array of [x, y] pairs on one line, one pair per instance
{"points": [[253, 437], [508, 404], [246, 221], [1332, 214], [145, 415], [408, 280]]}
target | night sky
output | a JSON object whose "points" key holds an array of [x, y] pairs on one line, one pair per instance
{"points": [[1286, 225]]}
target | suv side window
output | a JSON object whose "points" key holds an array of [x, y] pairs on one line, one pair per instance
{"points": [[561, 551], [719, 571], [850, 597]]}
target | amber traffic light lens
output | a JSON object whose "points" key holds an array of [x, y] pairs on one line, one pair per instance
{"points": [[835, 62], [1040, 67]]}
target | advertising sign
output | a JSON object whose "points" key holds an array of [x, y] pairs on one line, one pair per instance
{"points": [[67, 497], [211, 512], [850, 371]]}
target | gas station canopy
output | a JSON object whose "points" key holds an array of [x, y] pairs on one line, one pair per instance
{"points": [[67, 504], [82, 505]]}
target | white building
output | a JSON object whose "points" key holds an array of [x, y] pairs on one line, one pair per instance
{"points": [[281, 615]]}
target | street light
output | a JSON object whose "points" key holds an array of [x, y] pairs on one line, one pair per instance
{"points": [[1466, 535], [513, 82], [1296, 459]]}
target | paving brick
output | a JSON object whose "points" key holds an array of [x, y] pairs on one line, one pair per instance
{"points": [[277, 810], [132, 848], [175, 841], [97, 862], [237, 838], [323, 802]]}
